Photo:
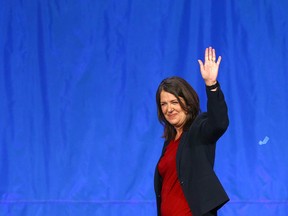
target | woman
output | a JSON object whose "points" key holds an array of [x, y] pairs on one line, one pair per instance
{"points": [[184, 181]]}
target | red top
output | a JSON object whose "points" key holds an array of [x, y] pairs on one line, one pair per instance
{"points": [[173, 202]]}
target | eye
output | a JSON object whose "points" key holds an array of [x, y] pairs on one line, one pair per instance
{"points": [[174, 102], [162, 104]]}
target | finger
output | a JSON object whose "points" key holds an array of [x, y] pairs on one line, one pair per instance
{"points": [[210, 54], [219, 60], [213, 55], [201, 65]]}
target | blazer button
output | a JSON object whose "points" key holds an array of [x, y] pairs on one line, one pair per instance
{"points": [[181, 182]]}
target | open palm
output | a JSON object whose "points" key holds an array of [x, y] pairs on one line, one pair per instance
{"points": [[209, 70]]}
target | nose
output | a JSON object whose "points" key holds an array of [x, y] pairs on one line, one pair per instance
{"points": [[170, 108]]}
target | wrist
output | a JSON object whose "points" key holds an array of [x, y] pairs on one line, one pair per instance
{"points": [[212, 86], [210, 82]]}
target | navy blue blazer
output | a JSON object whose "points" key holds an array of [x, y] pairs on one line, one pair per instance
{"points": [[195, 158]]}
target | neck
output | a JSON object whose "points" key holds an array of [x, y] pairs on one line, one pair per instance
{"points": [[178, 132]]}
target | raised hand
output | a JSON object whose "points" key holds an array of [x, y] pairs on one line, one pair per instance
{"points": [[209, 70]]}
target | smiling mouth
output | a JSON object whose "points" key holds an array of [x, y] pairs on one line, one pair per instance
{"points": [[171, 115]]}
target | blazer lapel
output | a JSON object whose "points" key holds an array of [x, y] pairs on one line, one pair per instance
{"points": [[183, 140]]}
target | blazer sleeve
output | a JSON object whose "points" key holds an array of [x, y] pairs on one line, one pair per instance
{"points": [[216, 122]]}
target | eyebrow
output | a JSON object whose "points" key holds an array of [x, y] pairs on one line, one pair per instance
{"points": [[173, 100]]}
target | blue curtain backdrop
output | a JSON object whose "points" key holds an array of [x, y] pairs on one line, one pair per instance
{"points": [[78, 127]]}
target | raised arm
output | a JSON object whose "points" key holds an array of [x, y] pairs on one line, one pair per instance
{"points": [[217, 120]]}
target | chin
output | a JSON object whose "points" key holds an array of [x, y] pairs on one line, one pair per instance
{"points": [[174, 124]]}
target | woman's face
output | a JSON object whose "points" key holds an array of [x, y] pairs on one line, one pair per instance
{"points": [[172, 110]]}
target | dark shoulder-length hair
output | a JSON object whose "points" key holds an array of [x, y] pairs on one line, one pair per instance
{"points": [[180, 88]]}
